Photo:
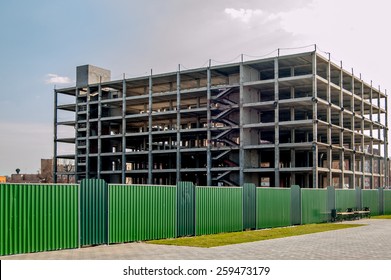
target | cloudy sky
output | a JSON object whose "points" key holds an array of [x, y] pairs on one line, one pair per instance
{"points": [[42, 41]]}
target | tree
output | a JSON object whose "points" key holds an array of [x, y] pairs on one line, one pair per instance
{"points": [[66, 166]]}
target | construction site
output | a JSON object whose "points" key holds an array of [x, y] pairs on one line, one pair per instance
{"points": [[297, 119]]}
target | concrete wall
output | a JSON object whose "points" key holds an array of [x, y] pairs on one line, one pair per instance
{"points": [[89, 74]]}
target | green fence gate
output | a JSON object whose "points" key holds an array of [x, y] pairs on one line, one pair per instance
{"points": [[185, 209], [218, 209], [314, 206], [93, 212], [370, 198], [140, 212], [273, 207]]}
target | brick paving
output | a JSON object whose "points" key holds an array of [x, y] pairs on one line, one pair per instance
{"points": [[370, 242]]}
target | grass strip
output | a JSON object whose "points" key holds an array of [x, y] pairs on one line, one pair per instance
{"points": [[221, 239], [381, 217]]}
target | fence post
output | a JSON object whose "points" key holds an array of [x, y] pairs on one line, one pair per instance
{"points": [[381, 201], [249, 206], [295, 205], [331, 201], [387, 201], [186, 209], [358, 198]]}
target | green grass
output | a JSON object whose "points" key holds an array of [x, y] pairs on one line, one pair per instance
{"points": [[381, 217], [222, 239]]}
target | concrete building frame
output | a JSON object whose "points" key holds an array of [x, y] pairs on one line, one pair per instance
{"points": [[295, 119]]}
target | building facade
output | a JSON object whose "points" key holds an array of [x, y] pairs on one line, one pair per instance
{"points": [[298, 119]]}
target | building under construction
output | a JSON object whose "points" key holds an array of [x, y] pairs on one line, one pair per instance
{"points": [[288, 120]]}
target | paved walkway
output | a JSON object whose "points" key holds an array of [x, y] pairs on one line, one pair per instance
{"points": [[372, 242]]}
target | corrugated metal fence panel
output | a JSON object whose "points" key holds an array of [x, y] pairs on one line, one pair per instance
{"points": [[249, 206], [370, 198], [186, 209], [141, 212], [218, 209], [331, 201], [345, 199], [314, 206], [36, 218], [273, 207], [93, 212], [295, 205], [387, 202]]}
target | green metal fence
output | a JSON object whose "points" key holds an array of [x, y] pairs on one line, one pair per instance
{"points": [[370, 198], [139, 212], [273, 207], [345, 199], [36, 218], [387, 202], [218, 209], [314, 206], [43, 217]]}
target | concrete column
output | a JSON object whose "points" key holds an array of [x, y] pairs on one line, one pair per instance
{"points": [[241, 129], [379, 128], [341, 124], [293, 151], [353, 143], [55, 117], [99, 162], [76, 143], [208, 133], [342, 165], [315, 172], [88, 134], [379, 145], [276, 126], [381, 178], [123, 161], [371, 134], [178, 121], [150, 148], [362, 137], [329, 140], [386, 168]]}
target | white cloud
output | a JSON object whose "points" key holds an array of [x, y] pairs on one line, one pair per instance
{"points": [[244, 15], [56, 79]]}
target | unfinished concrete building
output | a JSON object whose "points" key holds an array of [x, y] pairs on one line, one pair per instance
{"points": [[297, 119]]}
